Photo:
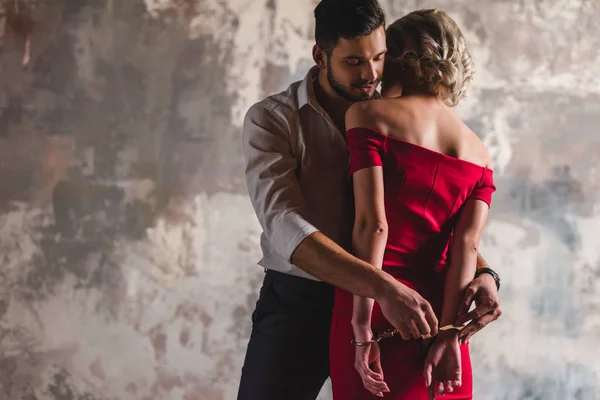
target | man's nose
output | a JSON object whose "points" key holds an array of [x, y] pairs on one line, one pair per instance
{"points": [[369, 72]]}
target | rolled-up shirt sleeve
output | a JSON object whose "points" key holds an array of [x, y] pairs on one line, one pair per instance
{"points": [[273, 187]]}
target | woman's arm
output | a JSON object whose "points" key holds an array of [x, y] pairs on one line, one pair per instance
{"points": [[443, 363], [464, 250], [370, 231], [370, 227], [369, 238]]}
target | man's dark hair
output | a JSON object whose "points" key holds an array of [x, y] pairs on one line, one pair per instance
{"points": [[347, 19]]}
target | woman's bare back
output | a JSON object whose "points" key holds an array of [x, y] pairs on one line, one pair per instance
{"points": [[423, 121]]}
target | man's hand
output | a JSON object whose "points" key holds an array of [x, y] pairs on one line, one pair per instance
{"points": [[407, 311], [484, 293]]}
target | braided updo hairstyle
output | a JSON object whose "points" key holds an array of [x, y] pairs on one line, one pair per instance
{"points": [[428, 53]]}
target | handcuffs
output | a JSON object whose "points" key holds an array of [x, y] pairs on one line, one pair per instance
{"points": [[393, 332]]}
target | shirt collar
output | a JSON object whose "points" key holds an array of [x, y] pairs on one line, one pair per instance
{"points": [[306, 91]]}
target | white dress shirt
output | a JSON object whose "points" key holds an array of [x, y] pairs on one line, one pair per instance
{"points": [[297, 174]]}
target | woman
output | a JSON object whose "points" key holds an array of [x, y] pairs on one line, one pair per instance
{"points": [[422, 185]]}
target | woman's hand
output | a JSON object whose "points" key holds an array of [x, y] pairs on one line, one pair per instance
{"points": [[443, 369], [368, 363]]}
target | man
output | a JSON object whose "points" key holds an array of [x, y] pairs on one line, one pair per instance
{"points": [[297, 177]]}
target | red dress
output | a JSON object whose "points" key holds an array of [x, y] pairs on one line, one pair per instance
{"points": [[424, 192]]}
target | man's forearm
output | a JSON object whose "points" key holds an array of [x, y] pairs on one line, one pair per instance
{"points": [[324, 259]]}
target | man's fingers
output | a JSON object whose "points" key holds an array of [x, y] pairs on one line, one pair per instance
{"points": [[423, 326], [485, 306], [471, 315], [432, 320], [405, 333], [476, 325], [414, 330], [467, 300]]}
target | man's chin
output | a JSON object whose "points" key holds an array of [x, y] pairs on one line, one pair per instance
{"points": [[364, 96], [355, 95]]}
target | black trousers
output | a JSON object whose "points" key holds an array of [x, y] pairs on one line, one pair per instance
{"points": [[288, 352]]}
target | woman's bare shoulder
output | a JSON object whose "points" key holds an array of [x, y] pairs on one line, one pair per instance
{"points": [[476, 149], [373, 114]]}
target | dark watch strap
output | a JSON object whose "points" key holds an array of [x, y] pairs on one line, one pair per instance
{"points": [[491, 272]]}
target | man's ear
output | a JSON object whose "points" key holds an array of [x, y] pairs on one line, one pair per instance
{"points": [[319, 56]]}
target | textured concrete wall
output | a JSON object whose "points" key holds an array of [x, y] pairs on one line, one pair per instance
{"points": [[127, 242]]}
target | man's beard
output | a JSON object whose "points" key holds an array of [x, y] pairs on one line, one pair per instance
{"points": [[345, 91]]}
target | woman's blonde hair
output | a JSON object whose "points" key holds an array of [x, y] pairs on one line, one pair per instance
{"points": [[426, 48]]}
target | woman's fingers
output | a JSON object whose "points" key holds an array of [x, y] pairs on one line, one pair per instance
{"points": [[449, 387], [440, 388], [372, 381], [431, 392], [379, 371], [373, 386]]}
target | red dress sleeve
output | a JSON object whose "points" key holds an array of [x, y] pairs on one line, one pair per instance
{"points": [[485, 187], [367, 148]]}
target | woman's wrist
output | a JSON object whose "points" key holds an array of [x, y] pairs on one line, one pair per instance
{"points": [[362, 331], [450, 334]]}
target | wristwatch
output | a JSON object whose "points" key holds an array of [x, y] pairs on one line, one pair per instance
{"points": [[490, 271]]}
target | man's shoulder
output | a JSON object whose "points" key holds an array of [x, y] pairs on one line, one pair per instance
{"points": [[284, 103]]}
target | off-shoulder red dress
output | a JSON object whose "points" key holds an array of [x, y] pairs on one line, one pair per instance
{"points": [[424, 192]]}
